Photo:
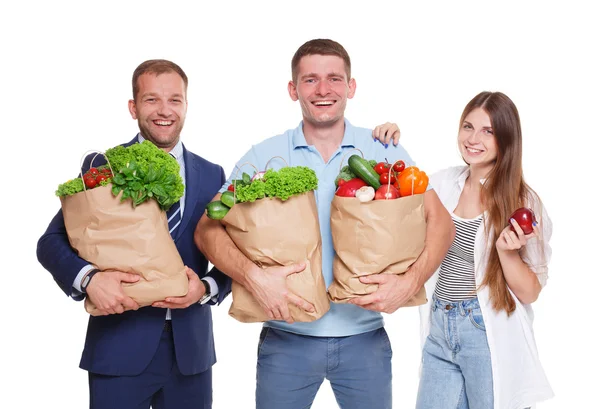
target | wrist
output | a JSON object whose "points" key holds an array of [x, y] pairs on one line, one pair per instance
{"points": [[414, 278], [207, 292], [251, 275], [87, 279]]}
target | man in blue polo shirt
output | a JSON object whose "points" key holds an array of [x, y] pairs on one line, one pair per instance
{"points": [[348, 345]]}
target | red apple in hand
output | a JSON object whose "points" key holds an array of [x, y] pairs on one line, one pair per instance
{"points": [[524, 218], [386, 192]]}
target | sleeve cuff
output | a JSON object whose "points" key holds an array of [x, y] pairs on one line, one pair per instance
{"points": [[76, 291], [214, 290]]}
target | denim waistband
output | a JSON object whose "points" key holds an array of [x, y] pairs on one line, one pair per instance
{"points": [[470, 304]]}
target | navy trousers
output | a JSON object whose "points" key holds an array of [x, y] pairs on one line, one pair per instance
{"points": [[160, 385]]}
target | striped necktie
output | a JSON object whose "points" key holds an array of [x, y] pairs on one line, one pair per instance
{"points": [[174, 214], [174, 218]]}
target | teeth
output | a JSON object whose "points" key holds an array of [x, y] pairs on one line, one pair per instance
{"points": [[474, 150], [163, 123], [323, 103]]}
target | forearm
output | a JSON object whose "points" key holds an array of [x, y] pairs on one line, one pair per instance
{"points": [[57, 256], [438, 238], [216, 245], [520, 279]]}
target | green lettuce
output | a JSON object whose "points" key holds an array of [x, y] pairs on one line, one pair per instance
{"points": [[281, 184]]}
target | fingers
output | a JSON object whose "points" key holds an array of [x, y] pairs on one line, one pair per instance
{"points": [[129, 304], [396, 135], [294, 268], [190, 273], [285, 314], [387, 133], [276, 313], [511, 239], [174, 303], [128, 278], [374, 279], [536, 232], [377, 307], [517, 228], [377, 133], [365, 300], [300, 302]]}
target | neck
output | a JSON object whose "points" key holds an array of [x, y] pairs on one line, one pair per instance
{"points": [[326, 138], [476, 173]]}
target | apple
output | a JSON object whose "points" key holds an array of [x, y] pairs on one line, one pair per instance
{"points": [[524, 218], [386, 192]]}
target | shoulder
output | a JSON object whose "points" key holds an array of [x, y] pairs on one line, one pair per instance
{"points": [[199, 162], [449, 174], [277, 141], [441, 178], [279, 145]]}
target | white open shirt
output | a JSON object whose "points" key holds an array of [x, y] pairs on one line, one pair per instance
{"points": [[518, 376]]}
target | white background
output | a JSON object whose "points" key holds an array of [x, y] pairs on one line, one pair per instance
{"points": [[66, 72]]}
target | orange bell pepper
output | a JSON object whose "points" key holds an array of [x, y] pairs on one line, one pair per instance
{"points": [[412, 181]]}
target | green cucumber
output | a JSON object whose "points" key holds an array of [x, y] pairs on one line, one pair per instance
{"points": [[227, 199], [364, 170], [216, 210]]}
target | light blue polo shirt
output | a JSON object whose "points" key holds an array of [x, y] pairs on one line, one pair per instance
{"points": [[341, 319]]}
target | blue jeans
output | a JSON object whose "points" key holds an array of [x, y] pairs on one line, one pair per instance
{"points": [[457, 369], [291, 368]]}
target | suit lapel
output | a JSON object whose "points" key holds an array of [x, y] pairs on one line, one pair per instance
{"points": [[192, 190]]}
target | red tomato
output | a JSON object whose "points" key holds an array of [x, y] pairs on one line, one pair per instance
{"points": [[381, 168], [230, 187], [93, 171], [399, 166], [90, 182], [384, 178], [100, 178]]}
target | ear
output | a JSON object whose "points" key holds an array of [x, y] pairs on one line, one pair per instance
{"points": [[132, 109], [292, 91], [352, 88]]}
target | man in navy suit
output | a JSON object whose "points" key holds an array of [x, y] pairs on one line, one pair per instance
{"points": [[160, 355]]}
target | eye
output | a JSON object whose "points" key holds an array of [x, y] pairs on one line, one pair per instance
{"points": [[310, 80], [150, 99], [467, 126], [489, 131], [177, 101], [336, 79]]}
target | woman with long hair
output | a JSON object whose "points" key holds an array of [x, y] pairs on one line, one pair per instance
{"points": [[479, 350]]}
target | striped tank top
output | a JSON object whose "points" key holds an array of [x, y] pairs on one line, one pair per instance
{"points": [[456, 281]]}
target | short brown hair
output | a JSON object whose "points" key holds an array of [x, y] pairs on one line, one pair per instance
{"points": [[320, 47], [156, 67]]}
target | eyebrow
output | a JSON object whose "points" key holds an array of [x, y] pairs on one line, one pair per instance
{"points": [[485, 127], [331, 74], [154, 94]]}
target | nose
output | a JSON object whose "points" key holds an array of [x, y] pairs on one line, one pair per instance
{"points": [[323, 88], [474, 137], [163, 109]]}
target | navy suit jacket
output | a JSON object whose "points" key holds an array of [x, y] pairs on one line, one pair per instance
{"points": [[124, 344]]}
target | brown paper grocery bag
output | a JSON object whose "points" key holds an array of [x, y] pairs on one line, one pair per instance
{"points": [[115, 235], [374, 237], [271, 232]]}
